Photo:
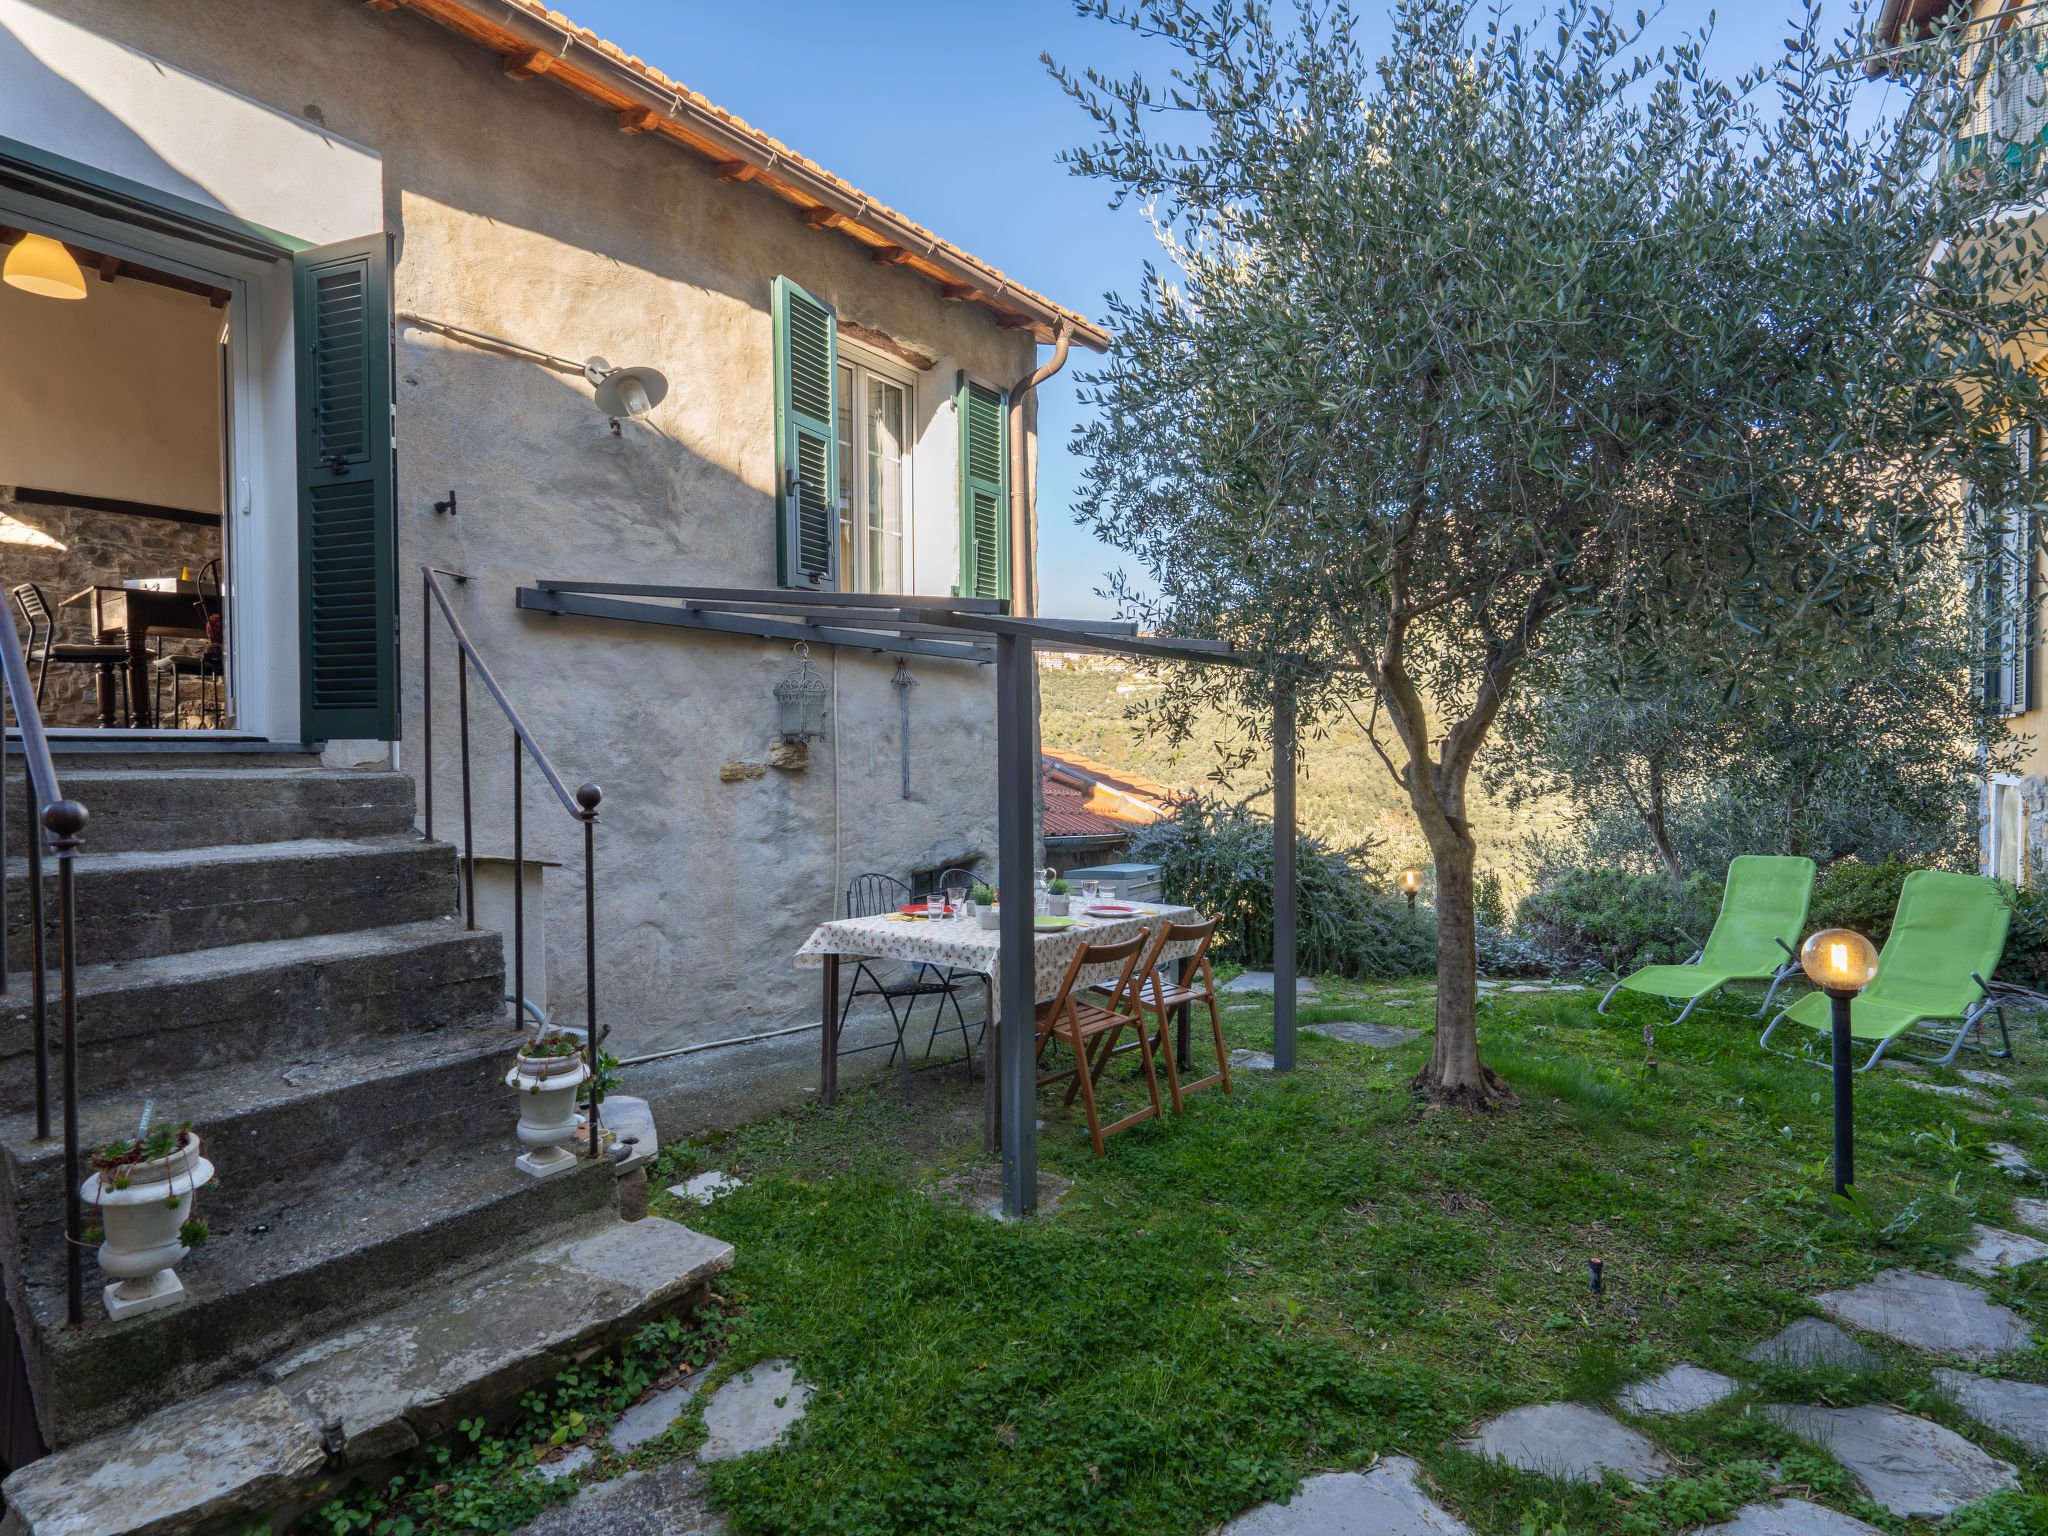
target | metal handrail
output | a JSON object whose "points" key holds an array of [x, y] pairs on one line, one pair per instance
{"points": [[581, 804], [53, 819]]}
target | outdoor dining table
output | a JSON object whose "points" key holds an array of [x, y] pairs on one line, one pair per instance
{"points": [[961, 943]]}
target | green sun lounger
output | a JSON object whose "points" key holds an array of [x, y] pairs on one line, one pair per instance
{"points": [[1763, 912], [1947, 936]]}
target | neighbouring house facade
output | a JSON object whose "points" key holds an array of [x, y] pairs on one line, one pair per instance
{"points": [[2009, 117], [1092, 810], [372, 241]]}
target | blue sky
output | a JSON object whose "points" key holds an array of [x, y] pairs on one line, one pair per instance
{"points": [[944, 111]]}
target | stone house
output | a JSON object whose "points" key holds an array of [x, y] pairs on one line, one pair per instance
{"points": [[376, 244]]}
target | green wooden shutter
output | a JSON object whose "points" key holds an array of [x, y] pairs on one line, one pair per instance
{"points": [[806, 439], [348, 537], [984, 490]]}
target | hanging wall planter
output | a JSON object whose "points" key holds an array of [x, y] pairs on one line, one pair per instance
{"points": [[547, 1074], [143, 1191]]}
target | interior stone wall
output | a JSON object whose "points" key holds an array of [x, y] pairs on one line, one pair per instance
{"points": [[67, 549]]}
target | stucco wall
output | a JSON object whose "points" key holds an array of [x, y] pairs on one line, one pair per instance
{"points": [[521, 211]]}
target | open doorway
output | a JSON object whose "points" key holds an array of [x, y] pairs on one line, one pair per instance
{"points": [[114, 554]]}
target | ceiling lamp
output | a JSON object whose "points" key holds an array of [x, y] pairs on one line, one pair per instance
{"points": [[38, 264]]}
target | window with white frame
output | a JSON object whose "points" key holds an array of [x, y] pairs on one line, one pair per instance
{"points": [[2008, 831], [2010, 590], [877, 413]]}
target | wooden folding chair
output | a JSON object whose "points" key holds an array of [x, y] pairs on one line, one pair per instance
{"points": [[1152, 989], [1084, 1026]]}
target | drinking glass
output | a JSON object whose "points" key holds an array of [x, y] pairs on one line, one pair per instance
{"points": [[1090, 890], [956, 898]]}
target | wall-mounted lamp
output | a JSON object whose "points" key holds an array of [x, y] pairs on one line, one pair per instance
{"points": [[800, 700], [621, 392], [40, 265]]}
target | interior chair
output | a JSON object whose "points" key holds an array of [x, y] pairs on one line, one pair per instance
{"points": [[46, 644], [208, 665], [1086, 1029], [899, 984]]}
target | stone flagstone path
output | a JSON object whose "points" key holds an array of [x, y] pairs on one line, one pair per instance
{"points": [[1382, 1502], [1929, 1312], [1254, 1061], [1911, 1466], [1811, 1342], [2031, 1213], [753, 1411], [2015, 1408], [1791, 1517], [1996, 1250], [1363, 1034], [1570, 1441], [1682, 1389], [1262, 981], [706, 1187]]}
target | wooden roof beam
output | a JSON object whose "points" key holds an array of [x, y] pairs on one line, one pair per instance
{"points": [[735, 171], [889, 256], [962, 293], [639, 120], [823, 217], [527, 63]]}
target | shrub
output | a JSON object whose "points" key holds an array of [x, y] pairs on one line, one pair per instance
{"points": [[1852, 894], [1220, 858], [1610, 920]]}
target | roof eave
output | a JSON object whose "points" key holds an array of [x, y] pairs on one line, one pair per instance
{"points": [[535, 45]]}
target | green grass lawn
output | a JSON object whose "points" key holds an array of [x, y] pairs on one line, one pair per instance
{"points": [[1313, 1271]]}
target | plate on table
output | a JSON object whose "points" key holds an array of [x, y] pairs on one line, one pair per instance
{"points": [[1112, 909], [1053, 924], [919, 909]]}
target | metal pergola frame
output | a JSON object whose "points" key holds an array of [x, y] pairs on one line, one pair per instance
{"points": [[980, 631]]}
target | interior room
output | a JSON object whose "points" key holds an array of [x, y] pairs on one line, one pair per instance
{"points": [[113, 551]]}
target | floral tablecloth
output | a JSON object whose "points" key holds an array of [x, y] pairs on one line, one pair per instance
{"points": [[963, 943]]}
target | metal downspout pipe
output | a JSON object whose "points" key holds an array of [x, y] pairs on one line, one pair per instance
{"points": [[1023, 574]]}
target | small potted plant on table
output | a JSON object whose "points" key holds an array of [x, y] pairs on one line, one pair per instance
{"points": [[143, 1191], [1058, 896], [985, 906], [549, 1069]]}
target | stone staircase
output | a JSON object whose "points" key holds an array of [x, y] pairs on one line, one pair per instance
{"points": [[267, 950]]}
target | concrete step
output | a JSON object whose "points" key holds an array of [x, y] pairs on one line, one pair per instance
{"points": [[135, 905], [291, 1261], [265, 1443], [287, 1135], [171, 804], [140, 1021]]}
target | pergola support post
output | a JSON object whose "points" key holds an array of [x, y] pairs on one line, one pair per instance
{"points": [[1283, 879], [1017, 1003]]}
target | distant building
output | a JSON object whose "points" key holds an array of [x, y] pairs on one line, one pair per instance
{"points": [[1092, 810]]}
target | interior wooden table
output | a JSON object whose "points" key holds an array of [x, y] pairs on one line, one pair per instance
{"points": [[132, 615]]}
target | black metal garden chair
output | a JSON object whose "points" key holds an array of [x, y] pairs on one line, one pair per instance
{"points": [[900, 984]]}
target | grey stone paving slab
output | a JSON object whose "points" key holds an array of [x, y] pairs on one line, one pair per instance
{"points": [[1255, 1061], [666, 1501], [1569, 1440], [704, 1188], [1988, 1079], [1929, 1312], [980, 1188], [642, 1422], [1791, 1517], [2031, 1213], [1262, 981], [1911, 1466], [2015, 1408], [2011, 1159], [1399, 1002], [1363, 1034], [631, 1123], [573, 1460], [224, 1452], [752, 1411], [1381, 1502], [1682, 1389], [1996, 1249], [1811, 1342], [1950, 1091]]}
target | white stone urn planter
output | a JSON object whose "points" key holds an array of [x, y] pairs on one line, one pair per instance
{"points": [[547, 1110], [142, 1206], [991, 917]]}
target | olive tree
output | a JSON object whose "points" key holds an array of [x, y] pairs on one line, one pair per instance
{"points": [[1515, 327]]}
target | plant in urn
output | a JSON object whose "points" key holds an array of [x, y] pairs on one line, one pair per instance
{"points": [[547, 1074], [143, 1191]]}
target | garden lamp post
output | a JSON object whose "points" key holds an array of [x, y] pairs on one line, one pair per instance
{"points": [[1840, 961], [1411, 883]]}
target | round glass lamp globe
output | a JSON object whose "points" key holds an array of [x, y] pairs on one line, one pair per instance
{"points": [[1411, 879], [1839, 960], [39, 265]]}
